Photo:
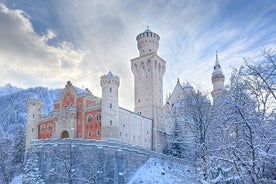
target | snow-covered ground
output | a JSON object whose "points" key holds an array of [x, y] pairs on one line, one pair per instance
{"points": [[158, 171], [17, 180]]}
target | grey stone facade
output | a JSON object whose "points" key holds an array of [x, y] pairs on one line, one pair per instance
{"points": [[86, 161]]}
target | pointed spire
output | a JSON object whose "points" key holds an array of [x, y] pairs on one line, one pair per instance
{"points": [[109, 74], [217, 61], [217, 68]]}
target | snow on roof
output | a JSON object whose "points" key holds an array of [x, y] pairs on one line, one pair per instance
{"points": [[147, 30], [109, 74], [187, 85]]}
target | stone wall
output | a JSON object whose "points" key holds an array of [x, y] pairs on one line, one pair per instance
{"points": [[85, 161]]}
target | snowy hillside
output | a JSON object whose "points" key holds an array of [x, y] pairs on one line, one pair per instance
{"points": [[158, 171], [13, 104]]}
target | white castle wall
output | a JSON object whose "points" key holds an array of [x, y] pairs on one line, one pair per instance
{"points": [[135, 129]]}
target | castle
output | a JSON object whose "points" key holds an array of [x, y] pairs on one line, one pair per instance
{"points": [[79, 114]]}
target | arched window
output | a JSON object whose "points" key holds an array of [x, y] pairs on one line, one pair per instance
{"points": [[89, 134], [49, 127], [42, 128], [89, 119]]}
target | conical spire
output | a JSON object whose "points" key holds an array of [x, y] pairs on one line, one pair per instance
{"points": [[217, 67], [217, 61]]}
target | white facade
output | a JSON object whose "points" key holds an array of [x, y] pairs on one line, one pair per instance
{"points": [[34, 114], [110, 108], [135, 129], [148, 70]]}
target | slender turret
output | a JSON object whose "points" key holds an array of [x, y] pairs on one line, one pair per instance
{"points": [[33, 116], [110, 108], [217, 79]]}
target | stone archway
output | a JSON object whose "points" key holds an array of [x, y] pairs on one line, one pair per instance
{"points": [[64, 135]]}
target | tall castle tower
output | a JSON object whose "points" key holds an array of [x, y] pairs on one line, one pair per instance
{"points": [[148, 70], [110, 108], [217, 79], [34, 114]]}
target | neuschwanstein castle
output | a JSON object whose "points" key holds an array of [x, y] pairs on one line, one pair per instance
{"points": [[79, 114]]}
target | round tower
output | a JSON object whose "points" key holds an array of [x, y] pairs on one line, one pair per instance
{"points": [[109, 107], [147, 42], [34, 109], [217, 79]]}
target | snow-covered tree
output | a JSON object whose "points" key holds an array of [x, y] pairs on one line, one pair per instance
{"points": [[191, 116], [5, 158], [32, 173], [18, 149], [244, 125]]}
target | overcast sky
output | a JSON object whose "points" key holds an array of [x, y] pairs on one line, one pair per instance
{"points": [[46, 43]]}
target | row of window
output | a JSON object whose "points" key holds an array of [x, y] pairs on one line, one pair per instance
{"points": [[45, 136], [90, 118], [96, 126], [43, 129], [133, 137], [98, 133]]}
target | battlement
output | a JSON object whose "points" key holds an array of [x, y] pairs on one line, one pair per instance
{"points": [[147, 42], [110, 79]]}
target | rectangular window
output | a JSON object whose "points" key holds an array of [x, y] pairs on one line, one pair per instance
{"points": [[98, 117], [110, 105], [89, 119], [110, 90], [110, 122], [98, 133]]}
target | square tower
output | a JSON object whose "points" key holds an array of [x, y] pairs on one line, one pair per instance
{"points": [[148, 70]]}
